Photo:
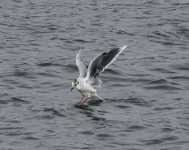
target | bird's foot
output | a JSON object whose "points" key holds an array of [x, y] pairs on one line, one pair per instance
{"points": [[77, 104], [82, 101], [86, 100]]}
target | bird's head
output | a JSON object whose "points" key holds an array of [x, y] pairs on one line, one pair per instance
{"points": [[75, 82]]}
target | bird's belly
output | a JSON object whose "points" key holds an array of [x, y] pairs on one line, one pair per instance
{"points": [[86, 89], [86, 92]]}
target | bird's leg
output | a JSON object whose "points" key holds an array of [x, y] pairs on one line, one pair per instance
{"points": [[85, 100], [81, 101]]}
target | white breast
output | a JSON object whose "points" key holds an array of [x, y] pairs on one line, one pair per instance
{"points": [[85, 89]]}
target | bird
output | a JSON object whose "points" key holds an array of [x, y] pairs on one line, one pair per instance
{"points": [[89, 76]]}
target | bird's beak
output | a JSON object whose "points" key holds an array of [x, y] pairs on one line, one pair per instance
{"points": [[71, 89]]}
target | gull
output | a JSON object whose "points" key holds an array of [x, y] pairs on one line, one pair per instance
{"points": [[89, 77]]}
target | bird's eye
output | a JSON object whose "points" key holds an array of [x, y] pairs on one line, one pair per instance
{"points": [[76, 83]]}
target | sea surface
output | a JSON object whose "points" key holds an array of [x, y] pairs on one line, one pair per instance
{"points": [[146, 89]]}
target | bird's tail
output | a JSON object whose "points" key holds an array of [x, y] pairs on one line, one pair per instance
{"points": [[96, 97]]}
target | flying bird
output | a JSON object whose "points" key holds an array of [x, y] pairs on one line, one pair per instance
{"points": [[89, 77]]}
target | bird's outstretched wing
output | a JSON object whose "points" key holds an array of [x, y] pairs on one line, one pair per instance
{"points": [[101, 62], [82, 68]]}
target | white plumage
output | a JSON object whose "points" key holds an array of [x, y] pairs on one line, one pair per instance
{"points": [[88, 77]]}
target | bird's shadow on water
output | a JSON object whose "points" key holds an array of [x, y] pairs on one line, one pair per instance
{"points": [[90, 103], [130, 100], [91, 109], [96, 111]]}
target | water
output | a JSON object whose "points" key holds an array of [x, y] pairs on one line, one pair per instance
{"points": [[146, 89]]}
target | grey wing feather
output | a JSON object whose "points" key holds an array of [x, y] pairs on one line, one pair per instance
{"points": [[96, 81], [82, 68], [101, 62]]}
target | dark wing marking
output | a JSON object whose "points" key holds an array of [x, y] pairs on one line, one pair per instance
{"points": [[102, 61]]}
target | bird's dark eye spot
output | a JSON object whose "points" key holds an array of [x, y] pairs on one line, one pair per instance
{"points": [[75, 80]]}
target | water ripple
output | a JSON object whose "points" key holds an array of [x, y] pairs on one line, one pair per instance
{"points": [[145, 90]]}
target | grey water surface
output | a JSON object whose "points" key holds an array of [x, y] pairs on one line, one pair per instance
{"points": [[146, 89]]}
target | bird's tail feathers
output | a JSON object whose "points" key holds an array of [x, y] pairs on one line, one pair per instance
{"points": [[96, 97]]}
